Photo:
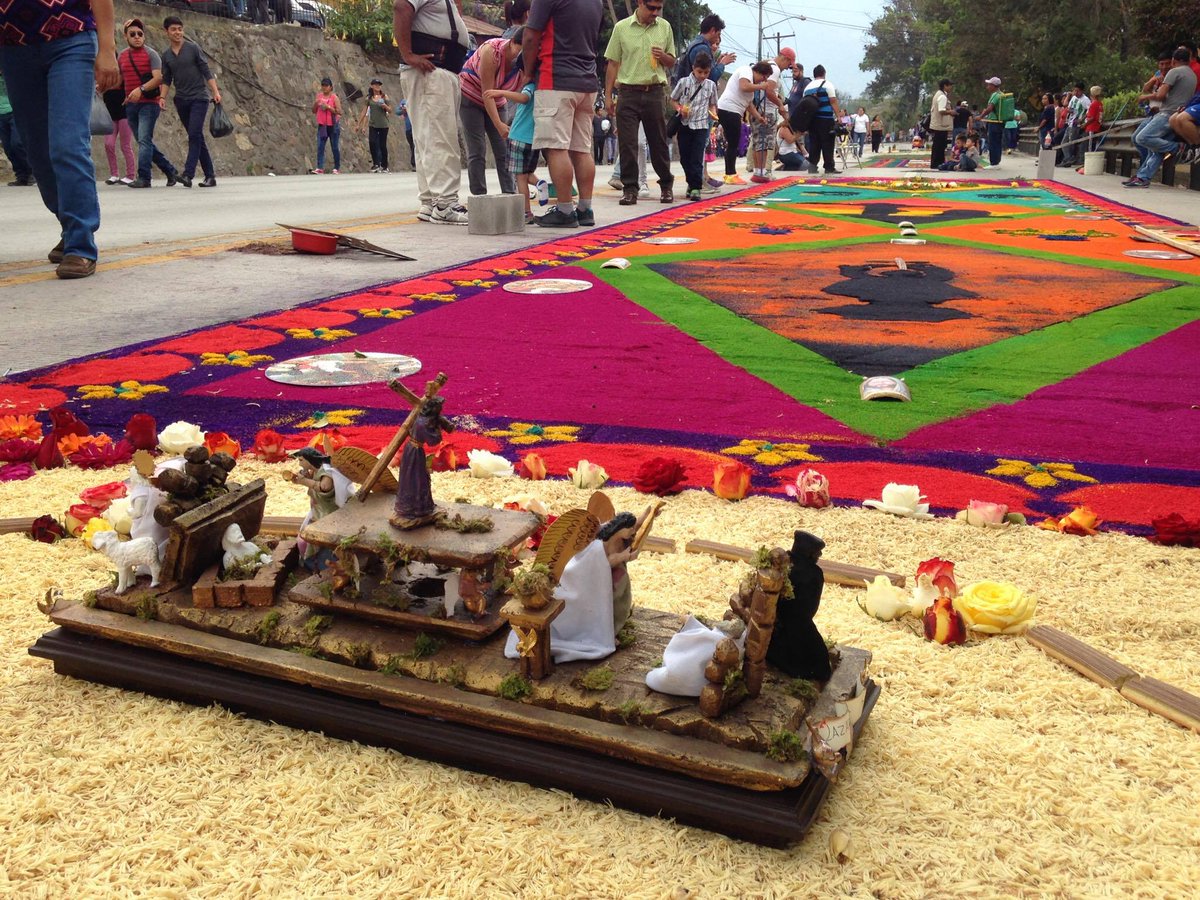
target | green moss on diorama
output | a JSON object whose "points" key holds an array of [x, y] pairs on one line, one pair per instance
{"points": [[310, 652], [627, 636], [597, 679], [803, 689], [762, 558], [358, 655], [394, 665], [267, 625], [242, 570], [457, 522], [392, 597], [734, 679], [456, 676], [425, 646], [657, 664], [147, 609], [784, 746], [514, 687], [326, 589], [631, 712], [90, 599], [316, 624]]}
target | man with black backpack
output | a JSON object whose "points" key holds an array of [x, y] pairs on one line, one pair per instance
{"points": [[819, 117], [433, 40]]}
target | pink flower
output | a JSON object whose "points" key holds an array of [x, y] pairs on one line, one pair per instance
{"points": [[102, 456], [18, 450], [102, 495], [981, 513], [811, 489], [17, 472]]}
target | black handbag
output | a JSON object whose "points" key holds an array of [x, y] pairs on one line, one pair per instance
{"points": [[151, 94], [445, 54], [676, 121]]}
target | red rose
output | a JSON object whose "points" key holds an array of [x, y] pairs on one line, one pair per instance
{"points": [[443, 457], [47, 529], [142, 432], [64, 422], [102, 456], [1176, 531], [220, 442], [660, 476], [102, 495], [18, 450], [268, 446], [78, 516], [941, 574], [48, 455]]}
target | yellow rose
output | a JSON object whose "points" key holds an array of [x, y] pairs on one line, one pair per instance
{"points": [[995, 608]]}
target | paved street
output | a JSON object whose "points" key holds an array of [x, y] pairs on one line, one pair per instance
{"points": [[167, 262]]}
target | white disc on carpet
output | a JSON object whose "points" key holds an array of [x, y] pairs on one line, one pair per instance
{"points": [[1157, 254], [754, 209], [548, 286], [340, 369], [670, 240]]}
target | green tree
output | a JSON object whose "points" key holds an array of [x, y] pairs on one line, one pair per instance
{"points": [[896, 51]]}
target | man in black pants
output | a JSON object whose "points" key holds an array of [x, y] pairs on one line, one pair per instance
{"points": [[184, 66], [823, 123]]}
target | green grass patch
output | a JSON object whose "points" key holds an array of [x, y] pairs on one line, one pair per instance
{"points": [[514, 687]]}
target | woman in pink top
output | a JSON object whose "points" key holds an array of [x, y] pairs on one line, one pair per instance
{"points": [[328, 108], [492, 66]]}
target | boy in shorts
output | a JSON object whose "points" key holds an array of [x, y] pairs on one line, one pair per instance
{"points": [[522, 158]]}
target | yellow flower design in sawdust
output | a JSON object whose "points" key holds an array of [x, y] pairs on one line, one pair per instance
{"points": [[1039, 475], [528, 433], [331, 418], [546, 262], [770, 454], [475, 282], [440, 298], [126, 390], [385, 312], [515, 272], [570, 254], [324, 334], [234, 358]]}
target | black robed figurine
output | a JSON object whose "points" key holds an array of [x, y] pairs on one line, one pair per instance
{"points": [[797, 648]]}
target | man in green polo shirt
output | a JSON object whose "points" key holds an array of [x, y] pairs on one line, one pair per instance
{"points": [[641, 54]]}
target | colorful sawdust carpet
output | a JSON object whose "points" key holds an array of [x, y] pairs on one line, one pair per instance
{"points": [[1047, 368], [917, 159]]}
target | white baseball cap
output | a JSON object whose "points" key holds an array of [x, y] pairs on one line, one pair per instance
{"points": [[994, 81]]}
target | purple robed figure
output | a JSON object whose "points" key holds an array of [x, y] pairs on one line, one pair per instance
{"points": [[414, 496]]}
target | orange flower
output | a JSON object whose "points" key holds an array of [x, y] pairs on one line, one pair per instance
{"points": [[73, 443], [533, 467], [1081, 521], [731, 479], [20, 427], [443, 457], [327, 440], [219, 441]]}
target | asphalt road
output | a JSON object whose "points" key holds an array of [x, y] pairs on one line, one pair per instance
{"points": [[168, 263]]}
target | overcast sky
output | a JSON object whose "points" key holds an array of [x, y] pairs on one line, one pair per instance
{"points": [[837, 47]]}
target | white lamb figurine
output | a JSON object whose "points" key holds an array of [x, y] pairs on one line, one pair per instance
{"points": [[128, 555]]}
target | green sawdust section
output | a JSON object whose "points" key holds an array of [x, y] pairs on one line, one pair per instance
{"points": [[1000, 373]]}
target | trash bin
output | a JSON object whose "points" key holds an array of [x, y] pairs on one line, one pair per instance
{"points": [[1093, 163]]}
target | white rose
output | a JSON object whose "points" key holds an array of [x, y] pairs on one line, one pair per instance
{"points": [[179, 436], [120, 515], [587, 476], [884, 600], [485, 464]]}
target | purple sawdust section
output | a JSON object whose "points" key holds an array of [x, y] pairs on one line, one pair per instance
{"points": [[591, 357], [1092, 418]]}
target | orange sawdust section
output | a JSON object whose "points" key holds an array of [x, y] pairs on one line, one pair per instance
{"points": [[765, 289]]}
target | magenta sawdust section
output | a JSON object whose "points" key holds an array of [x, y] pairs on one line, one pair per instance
{"points": [[606, 374]]}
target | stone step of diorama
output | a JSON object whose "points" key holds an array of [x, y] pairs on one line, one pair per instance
{"points": [[210, 590]]}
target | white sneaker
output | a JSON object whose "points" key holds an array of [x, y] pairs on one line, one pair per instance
{"points": [[425, 213], [449, 215], [643, 192], [384, 170], [615, 183], [709, 189], [113, 179], [126, 181]]}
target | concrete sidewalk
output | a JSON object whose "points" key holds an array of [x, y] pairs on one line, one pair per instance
{"points": [[168, 264]]}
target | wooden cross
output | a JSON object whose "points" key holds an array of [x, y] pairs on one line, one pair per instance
{"points": [[431, 390]]}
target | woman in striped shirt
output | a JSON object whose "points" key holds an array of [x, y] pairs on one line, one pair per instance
{"points": [[493, 66]]}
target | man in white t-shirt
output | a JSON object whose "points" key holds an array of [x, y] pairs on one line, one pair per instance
{"points": [[731, 108], [769, 105], [1077, 108], [941, 122]]}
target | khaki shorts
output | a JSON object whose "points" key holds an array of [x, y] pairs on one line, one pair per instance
{"points": [[562, 120]]}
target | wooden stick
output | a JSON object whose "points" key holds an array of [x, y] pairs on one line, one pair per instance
{"points": [[643, 532], [1084, 659], [431, 389], [835, 572]]}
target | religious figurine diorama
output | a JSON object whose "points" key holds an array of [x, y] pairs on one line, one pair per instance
{"points": [[542, 669]]}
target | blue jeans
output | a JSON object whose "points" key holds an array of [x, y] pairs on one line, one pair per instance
{"points": [[792, 162], [995, 142], [333, 134], [192, 114], [10, 138], [142, 119], [1153, 139], [51, 86]]}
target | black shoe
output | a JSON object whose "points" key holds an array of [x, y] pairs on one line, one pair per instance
{"points": [[556, 218], [184, 180], [173, 179], [23, 182], [629, 198], [139, 184], [813, 170], [585, 217], [668, 196], [209, 182]]}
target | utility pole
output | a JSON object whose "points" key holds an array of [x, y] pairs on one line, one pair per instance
{"points": [[758, 58], [778, 39]]}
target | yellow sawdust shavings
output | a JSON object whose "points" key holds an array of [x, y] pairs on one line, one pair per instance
{"points": [[987, 770]]}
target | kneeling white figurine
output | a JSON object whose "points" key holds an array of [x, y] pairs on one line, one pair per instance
{"points": [[239, 550], [128, 555]]}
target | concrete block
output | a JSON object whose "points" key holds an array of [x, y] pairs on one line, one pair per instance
{"points": [[1045, 165], [495, 214]]}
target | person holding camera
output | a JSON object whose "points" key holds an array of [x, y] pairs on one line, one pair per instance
{"points": [[825, 121], [433, 42], [141, 74]]}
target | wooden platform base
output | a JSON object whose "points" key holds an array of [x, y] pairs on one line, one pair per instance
{"points": [[773, 818]]}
